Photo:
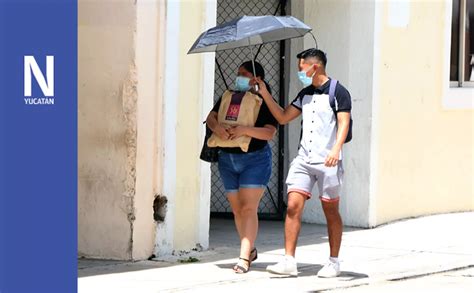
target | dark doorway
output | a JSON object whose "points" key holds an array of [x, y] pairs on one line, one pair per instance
{"points": [[271, 56]]}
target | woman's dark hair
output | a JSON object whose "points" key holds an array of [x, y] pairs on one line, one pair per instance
{"points": [[259, 71]]}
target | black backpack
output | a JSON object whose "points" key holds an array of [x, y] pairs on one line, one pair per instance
{"points": [[332, 102]]}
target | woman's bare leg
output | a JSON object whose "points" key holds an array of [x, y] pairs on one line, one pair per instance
{"points": [[233, 199], [249, 199]]}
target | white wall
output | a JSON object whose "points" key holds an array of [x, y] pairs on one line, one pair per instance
{"points": [[188, 89], [207, 95], [165, 230], [345, 31]]}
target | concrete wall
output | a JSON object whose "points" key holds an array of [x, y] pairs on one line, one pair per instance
{"points": [[413, 135], [345, 31], [107, 128], [189, 130], [149, 164], [425, 160], [187, 97], [142, 101]]}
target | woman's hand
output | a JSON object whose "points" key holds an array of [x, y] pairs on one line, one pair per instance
{"points": [[221, 132], [237, 131], [262, 87]]}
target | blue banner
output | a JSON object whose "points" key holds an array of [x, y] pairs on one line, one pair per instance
{"points": [[38, 146]]}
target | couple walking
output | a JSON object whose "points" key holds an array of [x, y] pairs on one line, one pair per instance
{"points": [[325, 105]]}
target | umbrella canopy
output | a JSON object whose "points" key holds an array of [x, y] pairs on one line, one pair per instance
{"points": [[247, 31]]}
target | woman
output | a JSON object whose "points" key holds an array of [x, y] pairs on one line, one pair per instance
{"points": [[245, 175]]}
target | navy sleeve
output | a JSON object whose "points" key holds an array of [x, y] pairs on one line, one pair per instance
{"points": [[343, 99], [298, 101]]}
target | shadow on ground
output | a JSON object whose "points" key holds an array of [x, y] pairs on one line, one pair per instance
{"points": [[223, 244]]}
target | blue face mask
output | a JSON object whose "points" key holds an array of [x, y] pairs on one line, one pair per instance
{"points": [[305, 80], [242, 83]]}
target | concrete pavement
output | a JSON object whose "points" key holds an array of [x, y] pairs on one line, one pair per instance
{"points": [[458, 281], [404, 249]]}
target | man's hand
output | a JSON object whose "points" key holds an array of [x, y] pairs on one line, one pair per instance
{"points": [[221, 132], [262, 87], [332, 158], [283, 116], [237, 131]]}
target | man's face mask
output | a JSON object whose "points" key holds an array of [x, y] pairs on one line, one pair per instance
{"points": [[306, 80], [242, 83]]}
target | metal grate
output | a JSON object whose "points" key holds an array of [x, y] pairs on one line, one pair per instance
{"points": [[269, 57]]}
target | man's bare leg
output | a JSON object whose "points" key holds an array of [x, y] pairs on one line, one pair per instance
{"points": [[334, 223], [294, 212]]}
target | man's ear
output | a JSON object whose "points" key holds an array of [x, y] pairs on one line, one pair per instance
{"points": [[317, 66]]}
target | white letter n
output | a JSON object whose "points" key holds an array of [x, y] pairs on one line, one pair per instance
{"points": [[46, 85]]}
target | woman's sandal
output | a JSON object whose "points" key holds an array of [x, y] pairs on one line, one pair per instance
{"points": [[253, 255], [240, 268]]}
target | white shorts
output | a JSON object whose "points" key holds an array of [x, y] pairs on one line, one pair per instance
{"points": [[302, 176]]}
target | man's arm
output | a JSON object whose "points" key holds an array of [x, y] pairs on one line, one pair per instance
{"points": [[283, 116], [343, 120]]}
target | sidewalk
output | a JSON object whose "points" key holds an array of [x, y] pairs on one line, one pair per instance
{"points": [[400, 250]]}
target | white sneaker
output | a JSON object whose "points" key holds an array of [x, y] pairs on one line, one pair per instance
{"points": [[330, 270], [285, 267]]}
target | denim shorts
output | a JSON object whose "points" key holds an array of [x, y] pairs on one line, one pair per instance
{"points": [[248, 170]]}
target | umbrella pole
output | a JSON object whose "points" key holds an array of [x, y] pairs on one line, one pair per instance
{"points": [[253, 66]]}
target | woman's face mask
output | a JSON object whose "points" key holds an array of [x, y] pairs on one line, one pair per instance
{"points": [[306, 80], [242, 83]]}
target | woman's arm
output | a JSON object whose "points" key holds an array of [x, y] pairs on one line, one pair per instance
{"points": [[266, 132], [214, 125]]}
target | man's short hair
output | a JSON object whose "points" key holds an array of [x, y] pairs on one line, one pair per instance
{"points": [[313, 53]]}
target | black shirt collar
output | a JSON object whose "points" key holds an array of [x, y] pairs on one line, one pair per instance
{"points": [[322, 88]]}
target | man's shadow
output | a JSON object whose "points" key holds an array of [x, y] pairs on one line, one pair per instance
{"points": [[304, 270]]}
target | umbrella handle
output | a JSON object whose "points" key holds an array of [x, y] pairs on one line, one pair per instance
{"points": [[253, 66]]}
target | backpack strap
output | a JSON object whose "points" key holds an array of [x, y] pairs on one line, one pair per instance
{"points": [[334, 106], [332, 94]]}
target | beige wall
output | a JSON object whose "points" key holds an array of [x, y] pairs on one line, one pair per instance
{"points": [[188, 134], [424, 155], [107, 130], [120, 123], [195, 93], [141, 103], [149, 168], [413, 139]]}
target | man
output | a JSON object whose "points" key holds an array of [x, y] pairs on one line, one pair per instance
{"points": [[319, 159]]}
